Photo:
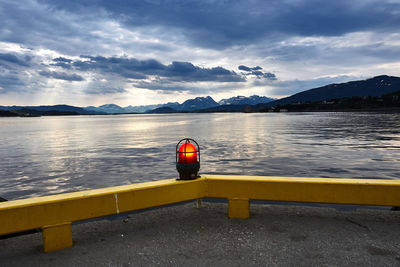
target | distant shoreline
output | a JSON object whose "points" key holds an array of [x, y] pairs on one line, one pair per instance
{"points": [[6, 114]]}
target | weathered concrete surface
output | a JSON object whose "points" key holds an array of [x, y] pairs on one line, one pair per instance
{"points": [[275, 235]]}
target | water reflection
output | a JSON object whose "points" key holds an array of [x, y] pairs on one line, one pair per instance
{"points": [[50, 155]]}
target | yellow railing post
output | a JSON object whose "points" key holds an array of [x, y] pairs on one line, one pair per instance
{"points": [[238, 208], [57, 237]]}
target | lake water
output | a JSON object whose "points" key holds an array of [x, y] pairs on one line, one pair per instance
{"points": [[48, 155]]}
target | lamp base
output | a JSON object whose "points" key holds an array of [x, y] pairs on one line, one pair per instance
{"points": [[188, 171]]}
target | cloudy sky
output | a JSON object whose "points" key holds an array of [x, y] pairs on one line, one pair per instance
{"points": [[93, 52]]}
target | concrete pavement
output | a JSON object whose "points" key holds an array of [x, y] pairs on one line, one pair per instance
{"points": [[183, 235]]}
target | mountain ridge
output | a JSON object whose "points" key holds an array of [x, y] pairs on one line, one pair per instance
{"points": [[47, 108], [372, 87], [243, 100], [375, 86], [186, 106]]}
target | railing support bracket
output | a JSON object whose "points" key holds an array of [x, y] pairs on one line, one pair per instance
{"points": [[238, 208], [57, 237]]}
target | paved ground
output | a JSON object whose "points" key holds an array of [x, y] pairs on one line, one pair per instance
{"points": [[275, 235]]}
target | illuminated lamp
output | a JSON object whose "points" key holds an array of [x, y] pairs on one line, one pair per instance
{"points": [[187, 159]]}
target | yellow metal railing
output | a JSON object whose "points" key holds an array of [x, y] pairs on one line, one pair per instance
{"points": [[54, 214]]}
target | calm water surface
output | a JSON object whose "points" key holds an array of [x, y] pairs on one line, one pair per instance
{"points": [[48, 155]]}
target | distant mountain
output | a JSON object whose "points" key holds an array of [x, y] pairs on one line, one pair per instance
{"points": [[172, 105], [162, 110], [197, 103], [56, 108], [107, 108], [25, 112], [243, 100], [376, 86], [189, 105], [227, 108], [141, 109], [362, 103], [113, 108]]}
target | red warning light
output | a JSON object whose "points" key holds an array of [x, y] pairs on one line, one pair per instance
{"points": [[187, 153]]}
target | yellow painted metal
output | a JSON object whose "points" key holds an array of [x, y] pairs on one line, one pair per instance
{"points": [[56, 237], [26, 214], [238, 208], [296, 189], [54, 214]]}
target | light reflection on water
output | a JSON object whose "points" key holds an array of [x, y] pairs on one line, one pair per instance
{"points": [[48, 155]]}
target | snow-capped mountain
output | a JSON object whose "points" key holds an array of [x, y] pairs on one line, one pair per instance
{"points": [[189, 105], [243, 100], [112, 108], [197, 103]]}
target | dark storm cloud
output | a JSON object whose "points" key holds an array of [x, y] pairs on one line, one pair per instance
{"points": [[109, 75], [15, 76], [269, 75], [245, 68], [11, 58], [62, 59], [36, 25], [256, 71], [140, 69], [269, 32], [62, 76], [354, 55], [11, 83], [62, 65], [118, 64], [18, 80], [221, 24], [266, 75], [57, 24]]}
